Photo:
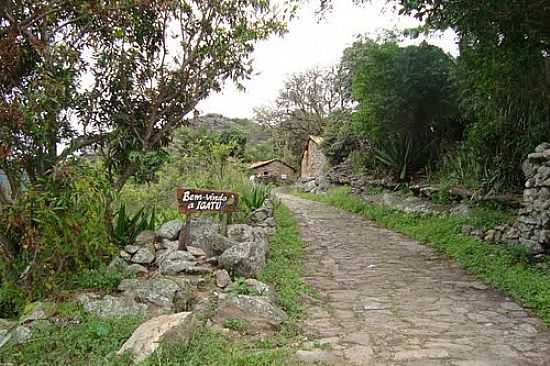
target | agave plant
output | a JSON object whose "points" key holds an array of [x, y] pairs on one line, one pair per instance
{"points": [[126, 227], [255, 197]]}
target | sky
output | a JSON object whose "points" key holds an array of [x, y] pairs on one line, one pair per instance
{"points": [[310, 43]]}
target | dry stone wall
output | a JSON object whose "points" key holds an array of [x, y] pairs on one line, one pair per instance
{"points": [[534, 220]]}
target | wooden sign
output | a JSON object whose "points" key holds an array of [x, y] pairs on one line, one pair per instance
{"points": [[202, 200]]}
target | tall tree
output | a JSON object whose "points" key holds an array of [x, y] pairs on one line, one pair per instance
{"points": [[303, 107], [150, 63]]}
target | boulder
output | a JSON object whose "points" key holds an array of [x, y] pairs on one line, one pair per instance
{"points": [[175, 262], [156, 292], [111, 307], [242, 233], [212, 243], [145, 255], [20, 335], [37, 311], [223, 279], [170, 245], [170, 230], [245, 259], [146, 237], [173, 328], [118, 264], [258, 312]]}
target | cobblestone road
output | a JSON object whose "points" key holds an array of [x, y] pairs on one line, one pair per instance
{"points": [[387, 300]]}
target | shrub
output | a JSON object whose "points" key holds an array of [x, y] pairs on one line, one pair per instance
{"points": [[57, 227], [126, 226]]}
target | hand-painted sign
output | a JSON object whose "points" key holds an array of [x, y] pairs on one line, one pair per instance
{"points": [[201, 200]]}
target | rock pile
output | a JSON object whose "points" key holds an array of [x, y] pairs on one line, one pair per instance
{"points": [[534, 220], [173, 286]]}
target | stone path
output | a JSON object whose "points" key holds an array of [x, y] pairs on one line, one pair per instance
{"points": [[385, 299]]}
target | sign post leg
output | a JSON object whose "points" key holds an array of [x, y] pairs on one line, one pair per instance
{"points": [[185, 234]]}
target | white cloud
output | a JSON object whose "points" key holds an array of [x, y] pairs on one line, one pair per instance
{"points": [[310, 43]]}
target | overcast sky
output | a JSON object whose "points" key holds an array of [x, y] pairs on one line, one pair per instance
{"points": [[309, 43]]}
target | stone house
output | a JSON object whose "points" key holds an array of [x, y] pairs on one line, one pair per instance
{"points": [[313, 159], [274, 170]]}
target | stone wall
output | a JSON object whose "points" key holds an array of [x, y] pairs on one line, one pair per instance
{"points": [[534, 220]]}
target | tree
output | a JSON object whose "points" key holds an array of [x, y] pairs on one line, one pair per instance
{"points": [[503, 75], [302, 109], [406, 104], [151, 63]]}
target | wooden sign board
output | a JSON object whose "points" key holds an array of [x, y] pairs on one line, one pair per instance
{"points": [[202, 200]]}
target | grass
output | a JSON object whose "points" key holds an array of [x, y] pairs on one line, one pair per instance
{"points": [[285, 262], [503, 267], [95, 341]]}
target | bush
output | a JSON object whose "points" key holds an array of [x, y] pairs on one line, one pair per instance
{"points": [[57, 227], [126, 227]]}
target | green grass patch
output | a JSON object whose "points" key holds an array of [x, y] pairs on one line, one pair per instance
{"points": [[102, 278], [501, 266], [209, 348], [92, 342], [285, 262]]}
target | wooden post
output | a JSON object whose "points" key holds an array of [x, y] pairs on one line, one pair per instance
{"points": [[185, 234]]}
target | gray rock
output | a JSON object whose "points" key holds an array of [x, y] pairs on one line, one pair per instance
{"points": [[111, 307], [131, 249], [211, 242], [242, 233], [528, 168], [5, 336], [118, 264], [20, 335], [175, 262], [257, 216], [245, 259], [223, 279], [184, 299], [462, 209], [196, 252], [158, 294], [125, 255], [145, 255], [146, 237], [137, 269], [170, 230], [173, 328], [489, 236], [259, 288], [258, 312], [169, 244], [544, 146]]}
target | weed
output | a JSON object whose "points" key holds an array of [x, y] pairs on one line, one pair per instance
{"points": [[237, 325]]}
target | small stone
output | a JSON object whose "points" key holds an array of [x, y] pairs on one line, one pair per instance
{"points": [[197, 252], [170, 230], [144, 255], [131, 249], [170, 245], [535, 156], [223, 279], [176, 262]]}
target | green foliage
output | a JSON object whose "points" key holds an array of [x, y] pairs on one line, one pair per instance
{"points": [[103, 278], [58, 228], [340, 138], [93, 341], [500, 266], [238, 287], [502, 76], [255, 196], [126, 226], [285, 264], [209, 348], [237, 325], [406, 106]]}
